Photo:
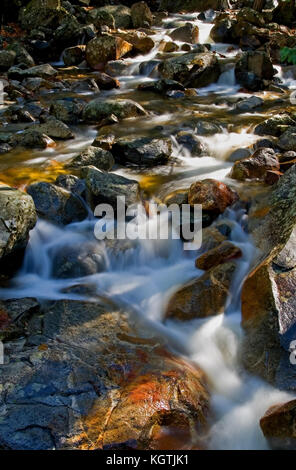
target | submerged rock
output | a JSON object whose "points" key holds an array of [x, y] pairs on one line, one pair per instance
{"points": [[57, 204], [221, 254], [142, 151], [92, 377], [203, 296], [18, 217], [99, 109]]}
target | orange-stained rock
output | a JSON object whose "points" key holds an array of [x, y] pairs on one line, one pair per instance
{"points": [[279, 425], [140, 41], [221, 254], [204, 296], [104, 48], [94, 377], [212, 194]]}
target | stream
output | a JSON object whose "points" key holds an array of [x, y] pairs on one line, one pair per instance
{"points": [[143, 275]]}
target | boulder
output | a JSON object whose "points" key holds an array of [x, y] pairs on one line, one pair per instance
{"points": [[268, 301], [74, 55], [278, 426], [193, 5], [248, 104], [213, 195], [188, 33], [54, 128], [191, 143], [204, 296], [141, 42], [93, 156], [68, 111], [98, 109], [121, 14], [106, 187], [144, 151], [220, 254], [31, 138], [22, 56], [253, 68], [141, 15], [39, 13], [287, 140], [71, 183], [91, 377], [18, 217], [57, 204], [105, 82], [43, 71], [255, 166], [194, 70], [275, 125], [160, 86], [7, 59], [102, 49], [101, 17]]}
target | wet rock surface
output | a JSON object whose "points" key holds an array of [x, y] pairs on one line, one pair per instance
{"points": [[64, 398]]}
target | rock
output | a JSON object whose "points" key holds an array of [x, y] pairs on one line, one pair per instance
{"points": [[212, 194], [93, 156], [18, 217], [105, 141], [272, 176], [68, 111], [102, 49], [204, 296], [142, 151], [268, 301], [7, 59], [222, 30], [168, 46], [98, 379], [188, 33], [106, 187], [287, 140], [105, 82], [14, 316], [121, 14], [275, 125], [54, 128], [43, 71], [141, 15], [141, 42], [22, 56], [74, 55], [56, 204], [248, 104], [79, 260], [278, 425], [99, 18], [191, 143], [38, 13], [194, 70], [253, 68], [71, 183], [239, 154], [160, 86], [256, 165], [99, 109], [31, 139], [193, 5], [221, 254]]}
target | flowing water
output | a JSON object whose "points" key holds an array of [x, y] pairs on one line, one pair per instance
{"points": [[144, 274]]}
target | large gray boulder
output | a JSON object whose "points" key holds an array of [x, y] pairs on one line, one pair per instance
{"points": [[98, 109], [18, 217]]}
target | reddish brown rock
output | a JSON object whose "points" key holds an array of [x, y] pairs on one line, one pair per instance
{"points": [[105, 82], [212, 195], [204, 296], [279, 425], [255, 166], [104, 48], [221, 254], [272, 176]]}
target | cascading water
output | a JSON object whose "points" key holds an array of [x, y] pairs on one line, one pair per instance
{"points": [[143, 274]]}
